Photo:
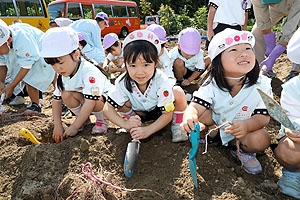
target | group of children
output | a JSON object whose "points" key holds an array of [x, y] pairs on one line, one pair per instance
{"points": [[150, 87]]}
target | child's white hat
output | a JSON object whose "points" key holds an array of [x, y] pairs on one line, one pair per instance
{"points": [[59, 42], [228, 38], [143, 35], [4, 32], [293, 48], [109, 40], [62, 22]]}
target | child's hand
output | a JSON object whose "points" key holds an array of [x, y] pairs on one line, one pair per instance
{"points": [[71, 131], [139, 133], [188, 124], [106, 68], [294, 136], [133, 122], [185, 82], [238, 129], [8, 90], [57, 134]]}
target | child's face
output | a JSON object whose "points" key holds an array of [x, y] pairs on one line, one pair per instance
{"points": [[140, 71], [116, 51], [238, 60], [67, 64], [4, 49], [185, 55]]}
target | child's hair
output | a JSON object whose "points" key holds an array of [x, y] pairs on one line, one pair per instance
{"points": [[82, 43], [52, 61], [163, 45], [110, 49], [216, 72], [131, 52], [98, 19]]}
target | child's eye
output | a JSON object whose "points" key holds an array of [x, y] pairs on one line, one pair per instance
{"points": [[146, 65], [131, 65], [248, 48], [61, 63], [232, 50]]}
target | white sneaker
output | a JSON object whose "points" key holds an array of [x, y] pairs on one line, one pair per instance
{"points": [[29, 105], [18, 100], [177, 134]]}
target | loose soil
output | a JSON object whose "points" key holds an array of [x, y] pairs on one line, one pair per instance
{"points": [[53, 171]]}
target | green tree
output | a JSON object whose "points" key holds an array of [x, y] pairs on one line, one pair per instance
{"points": [[145, 9], [48, 1], [200, 19], [169, 20]]}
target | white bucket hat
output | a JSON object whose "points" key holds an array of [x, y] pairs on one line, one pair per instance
{"points": [[59, 42], [4, 32], [62, 22], [228, 38], [143, 35], [293, 48]]}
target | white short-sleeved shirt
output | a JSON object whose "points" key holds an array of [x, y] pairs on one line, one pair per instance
{"points": [[227, 108], [111, 57], [225, 14], [92, 35], [165, 64], [25, 53], [88, 80], [195, 63], [290, 99], [159, 94]]}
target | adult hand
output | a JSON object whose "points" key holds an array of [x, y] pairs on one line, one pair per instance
{"points": [[210, 34]]}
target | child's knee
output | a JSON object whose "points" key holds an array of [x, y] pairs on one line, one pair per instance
{"points": [[286, 154], [260, 141], [178, 63]]}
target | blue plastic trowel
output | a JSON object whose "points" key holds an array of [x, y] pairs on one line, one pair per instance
{"points": [[195, 138], [131, 157]]}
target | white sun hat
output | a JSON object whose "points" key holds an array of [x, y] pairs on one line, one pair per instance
{"points": [[59, 41], [143, 35], [227, 38], [4, 32], [62, 22]]}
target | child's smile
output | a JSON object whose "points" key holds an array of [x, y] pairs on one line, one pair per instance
{"points": [[141, 71]]}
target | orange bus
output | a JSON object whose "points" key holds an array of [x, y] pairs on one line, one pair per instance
{"points": [[123, 15]]}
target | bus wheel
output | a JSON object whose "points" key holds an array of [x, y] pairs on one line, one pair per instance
{"points": [[124, 32]]}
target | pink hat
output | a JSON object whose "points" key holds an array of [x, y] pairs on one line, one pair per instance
{"points": [[109, 40], [159, 31], [104, 16], [190, 41], [80, 36]]}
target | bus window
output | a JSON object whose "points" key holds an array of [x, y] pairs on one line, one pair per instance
{"points": [[74, 11], [119, 11], [7, 9], [103, 8], [29, 8], [132, 11], [56, 10], [87, 11]]}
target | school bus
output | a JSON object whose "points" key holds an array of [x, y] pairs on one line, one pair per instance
{"points": [[33, 12], [123, 15]]}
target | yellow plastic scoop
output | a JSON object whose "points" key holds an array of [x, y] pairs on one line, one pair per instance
{"points": [[27, 134]]}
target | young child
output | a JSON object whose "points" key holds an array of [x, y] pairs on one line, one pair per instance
{"points": [[113, 46], [164, 59], [91, 29], [20, 46], [187, 57], [287, 152], [230, 95], [220, 16], [80, 84], [144, 93]]}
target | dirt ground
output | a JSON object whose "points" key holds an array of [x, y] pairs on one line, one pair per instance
{"points": [[53, 171]]}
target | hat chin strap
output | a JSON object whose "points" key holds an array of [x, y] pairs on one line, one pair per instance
{"points": [[232, 78]]}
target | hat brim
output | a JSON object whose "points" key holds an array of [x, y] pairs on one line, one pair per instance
{"points": [[51, 54]]}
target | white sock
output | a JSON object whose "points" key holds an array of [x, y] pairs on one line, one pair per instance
{"points": [[99, 115]]}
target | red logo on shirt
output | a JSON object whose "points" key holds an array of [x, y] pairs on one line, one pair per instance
{"points": [[27, 55], [166, 93], [245, 108], [92, 79]]}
